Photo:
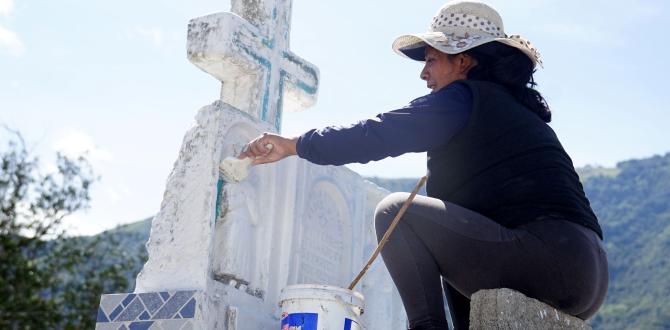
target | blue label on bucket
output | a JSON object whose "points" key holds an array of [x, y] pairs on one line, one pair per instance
{"points": [[350, 325], [299, 321]]}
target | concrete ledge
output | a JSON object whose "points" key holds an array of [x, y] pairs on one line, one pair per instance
{"points": [[509, 309]]}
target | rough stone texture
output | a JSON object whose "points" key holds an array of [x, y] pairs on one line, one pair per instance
{"points": [[288, 222], [509, 309], [238, 244], [248, 51]]}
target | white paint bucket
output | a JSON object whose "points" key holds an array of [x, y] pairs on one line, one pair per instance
{"points": [[320, 307]]}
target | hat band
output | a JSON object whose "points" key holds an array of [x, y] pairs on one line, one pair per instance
{"points": [[465, 20]]}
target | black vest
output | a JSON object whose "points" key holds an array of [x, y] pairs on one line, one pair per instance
{"points": [[508, 165]]}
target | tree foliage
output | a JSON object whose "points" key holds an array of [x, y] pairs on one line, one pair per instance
{"points": [[634, 211], [48, 280]]}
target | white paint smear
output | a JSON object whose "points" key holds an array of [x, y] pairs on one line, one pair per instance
{"points": [[76, 143]]}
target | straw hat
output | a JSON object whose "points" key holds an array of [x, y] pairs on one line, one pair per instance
{"points": [[459, 26]]}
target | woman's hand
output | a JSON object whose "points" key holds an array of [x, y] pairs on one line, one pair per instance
{"points": [[258, 149]]}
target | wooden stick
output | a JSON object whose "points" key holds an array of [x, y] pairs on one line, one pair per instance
{"points": [[386, 236]]}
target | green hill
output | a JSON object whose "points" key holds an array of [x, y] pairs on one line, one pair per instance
{"points": [[141, 227], [123, 246], [634, 211], [632, 204], [401, 184], [132, 238]]}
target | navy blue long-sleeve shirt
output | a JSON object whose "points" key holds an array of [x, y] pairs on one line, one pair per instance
{"points": [[426, 123]]}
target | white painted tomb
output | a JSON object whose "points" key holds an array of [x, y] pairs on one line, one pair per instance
{"points": [[220, 252]]}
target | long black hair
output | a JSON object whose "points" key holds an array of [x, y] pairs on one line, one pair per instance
{"points": [[511, 68]]}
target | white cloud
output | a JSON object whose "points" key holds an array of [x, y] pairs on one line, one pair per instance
{"points": [[80, 223], [152, 33], [6, 7], [75, 143], [11, 42]]}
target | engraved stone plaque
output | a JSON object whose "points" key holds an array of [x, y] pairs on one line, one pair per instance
{"points": [[325, 246]]}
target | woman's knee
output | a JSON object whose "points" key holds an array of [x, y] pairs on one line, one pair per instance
{"points": [[387, 209]]}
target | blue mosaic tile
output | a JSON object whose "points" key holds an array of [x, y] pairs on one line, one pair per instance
{"points": [[132, 311], [101, 316], [128, 299], [188, 310], [109, 302], [165, 295], [115, 313], [152, 301], [144, 311], [174, 304], [141, 325], [145, 316]]}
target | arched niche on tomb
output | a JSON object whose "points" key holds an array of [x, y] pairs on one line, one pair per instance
{"points": [[322, 252], [235, 256]]}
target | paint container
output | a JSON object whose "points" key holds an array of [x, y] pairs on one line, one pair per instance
{"points": [[320, 307]]}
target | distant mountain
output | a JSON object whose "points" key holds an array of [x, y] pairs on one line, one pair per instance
{"points": [[400, 184], [633, 206], [632, 202], [588, 172], [141, 228], [129, 249]]}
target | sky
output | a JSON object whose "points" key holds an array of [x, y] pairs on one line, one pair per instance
{"points": [[111, 78]]}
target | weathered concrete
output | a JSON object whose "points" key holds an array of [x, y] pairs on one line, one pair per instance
{"points": [[221, 251], [509, 309]]}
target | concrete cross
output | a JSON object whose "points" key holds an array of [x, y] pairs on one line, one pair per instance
{"points": [[248, 51]]}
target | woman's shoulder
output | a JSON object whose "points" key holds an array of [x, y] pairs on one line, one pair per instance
{"points": [[455, 93]]}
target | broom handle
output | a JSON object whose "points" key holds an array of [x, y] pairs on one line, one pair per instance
{"points": [[394, 223]]}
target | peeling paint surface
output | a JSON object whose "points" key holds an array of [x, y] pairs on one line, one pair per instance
{"points": [[254, 41], [288, 222], [237, 244]]}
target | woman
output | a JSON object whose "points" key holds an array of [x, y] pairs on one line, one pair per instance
{"points": [[505, 206]]}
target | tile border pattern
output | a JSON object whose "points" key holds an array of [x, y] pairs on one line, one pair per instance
{"points": [[165, 310]]}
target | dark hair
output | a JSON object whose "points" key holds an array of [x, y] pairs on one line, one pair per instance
{"points": [[511, 68]]}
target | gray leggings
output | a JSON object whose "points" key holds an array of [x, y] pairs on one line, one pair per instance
{"points": [[558, 262]]}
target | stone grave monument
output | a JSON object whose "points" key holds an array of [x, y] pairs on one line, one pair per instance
{"points": [[219, 252]]}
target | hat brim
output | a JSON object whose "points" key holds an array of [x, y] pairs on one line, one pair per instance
{"points": [[413, 46]]}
